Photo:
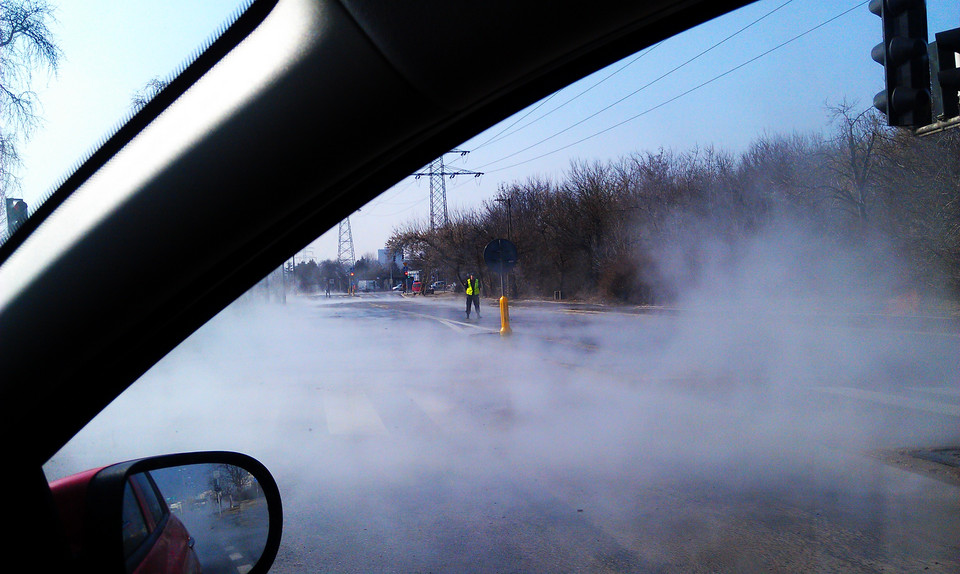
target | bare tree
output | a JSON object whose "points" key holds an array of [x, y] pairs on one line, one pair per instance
{"points": [[919, 206], [153, 87], [855, 160], [632, 230], [455, 249], [26, 43]]}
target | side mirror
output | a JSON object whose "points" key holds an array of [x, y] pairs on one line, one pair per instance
{"points": [[192, 512]]}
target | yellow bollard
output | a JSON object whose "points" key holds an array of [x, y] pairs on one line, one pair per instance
{"points": [[504, 317]]}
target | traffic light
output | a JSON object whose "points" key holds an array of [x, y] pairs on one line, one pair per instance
{"points": [[903, 54], [16, 214], [945, 74]]}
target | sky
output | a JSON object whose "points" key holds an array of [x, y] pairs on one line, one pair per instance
{"points": [[771, 67]]}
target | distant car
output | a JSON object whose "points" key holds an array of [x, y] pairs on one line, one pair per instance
{"points": [[397, 287], [417, 287], [439, 285]]}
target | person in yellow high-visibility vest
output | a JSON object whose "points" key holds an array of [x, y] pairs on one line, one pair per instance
{"points": [[472, 287]]}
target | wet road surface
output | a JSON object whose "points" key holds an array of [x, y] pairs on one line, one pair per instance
{"points": [[407, 439]]}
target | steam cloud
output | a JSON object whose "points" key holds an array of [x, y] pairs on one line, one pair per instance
{"points": [[683, 421]]}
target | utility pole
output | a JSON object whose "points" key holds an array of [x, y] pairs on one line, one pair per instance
{"points": [[506, 198], [437, 173]]}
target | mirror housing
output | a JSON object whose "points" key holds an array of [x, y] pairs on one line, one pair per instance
{"points": [[92, 511]]}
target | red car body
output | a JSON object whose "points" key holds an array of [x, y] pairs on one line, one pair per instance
{"points": [[70, 498], [161, 542]]}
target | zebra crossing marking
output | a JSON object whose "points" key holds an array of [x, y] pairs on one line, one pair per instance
{"points": [[351, 413], [890, 399]]}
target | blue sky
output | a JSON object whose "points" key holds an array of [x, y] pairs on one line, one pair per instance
{"points": [[670, 97], [111, 49]]}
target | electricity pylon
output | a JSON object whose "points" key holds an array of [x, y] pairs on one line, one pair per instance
{"points": [[438, 187], [345, 254]]}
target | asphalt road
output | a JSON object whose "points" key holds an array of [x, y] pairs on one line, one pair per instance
{"points": [[407, 439]]}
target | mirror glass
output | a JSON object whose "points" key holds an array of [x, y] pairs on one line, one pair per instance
{"points": [[195, 518]]}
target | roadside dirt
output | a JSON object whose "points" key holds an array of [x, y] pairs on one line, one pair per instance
{"points": [[928, 462]]}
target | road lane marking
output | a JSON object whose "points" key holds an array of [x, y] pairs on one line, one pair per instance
{"points": [[437, 408], [893, 400], [351, 414], [938, 391], [452, 324], [433, 405], [457, 326]]}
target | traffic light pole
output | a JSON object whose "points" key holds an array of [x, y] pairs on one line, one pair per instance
{"points": [[921, 80], [905, 98], [944, 55], [938, 127]]}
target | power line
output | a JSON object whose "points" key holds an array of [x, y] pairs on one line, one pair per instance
{"points": [[497, 137], [390, 194], [673, 99], [438, 187], [649, 110], [647, 85], [408, 205]]}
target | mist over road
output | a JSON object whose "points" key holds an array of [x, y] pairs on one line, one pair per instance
{"points": [[407, 439]]}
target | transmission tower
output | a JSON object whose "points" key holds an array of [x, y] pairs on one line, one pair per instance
{"points": [[438, 187], [345, 253]]}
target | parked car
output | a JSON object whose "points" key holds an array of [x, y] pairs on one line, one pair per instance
{"points": [[416, 288], [439, 286]]}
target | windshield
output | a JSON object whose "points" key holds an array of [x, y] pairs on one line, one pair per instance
{"points": [[695, 312]]}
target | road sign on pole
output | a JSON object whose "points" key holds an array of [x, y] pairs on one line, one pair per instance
{"points": [[500, 255]]}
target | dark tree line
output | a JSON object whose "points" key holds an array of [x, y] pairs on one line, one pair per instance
{"points": [[312, 276], [602, 230]]}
